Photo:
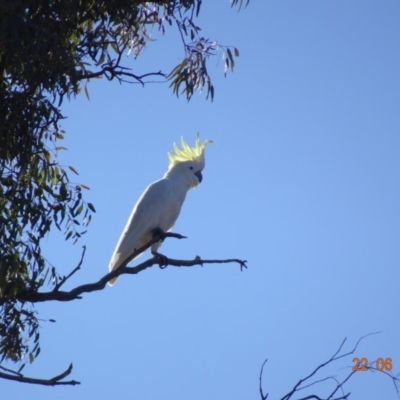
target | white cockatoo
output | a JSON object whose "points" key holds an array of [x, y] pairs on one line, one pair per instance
{"points": [[161, 202]]}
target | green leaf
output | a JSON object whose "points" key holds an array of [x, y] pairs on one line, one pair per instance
{"points": [[87, 92], [73, 170], [21, 368], [91, 206], [228, 50], [114, 47], [69, 234]]}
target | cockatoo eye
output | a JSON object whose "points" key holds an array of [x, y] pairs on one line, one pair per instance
{"points": [[191, 167]]}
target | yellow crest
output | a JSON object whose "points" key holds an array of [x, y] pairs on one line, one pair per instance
{"points": [[188, 153]]}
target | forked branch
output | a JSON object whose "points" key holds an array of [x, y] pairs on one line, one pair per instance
{"points": [[76, 293], [55, 381], [338, 392]]}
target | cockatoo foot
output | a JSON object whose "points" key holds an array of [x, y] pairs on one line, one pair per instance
{"points": [[158, 231], [162, 260]]}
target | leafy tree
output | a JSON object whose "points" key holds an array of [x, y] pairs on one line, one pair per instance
{"points": [[49, 52]]}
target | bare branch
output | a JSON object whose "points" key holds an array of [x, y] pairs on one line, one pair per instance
{"points": [[11, 371], [36, 297], [263, 396], [335, 357], [339, 384], [116, 71], [57, 380], [77, 268]]}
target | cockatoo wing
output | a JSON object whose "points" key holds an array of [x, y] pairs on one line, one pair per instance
{"points": [[144, 218]]}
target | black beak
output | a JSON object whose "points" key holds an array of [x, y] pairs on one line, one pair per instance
{"points": [[199, 176]]}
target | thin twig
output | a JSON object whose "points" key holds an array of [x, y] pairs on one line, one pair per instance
{"points": [[339, 384], [56, 380], [11, 371], [335, 357], [117, 73], [263, 396], [77, 268]]}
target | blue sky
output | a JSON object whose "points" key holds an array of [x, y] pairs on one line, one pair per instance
{"points": [[303, 183]]}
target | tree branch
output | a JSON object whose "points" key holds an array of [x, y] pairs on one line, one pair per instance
{"points": [[117, 71], [263, 396], [37, 297], [57, 380], [77, 268], [339, 384]]}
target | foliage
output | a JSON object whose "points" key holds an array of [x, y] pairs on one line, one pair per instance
{"points": [[49, 51]]}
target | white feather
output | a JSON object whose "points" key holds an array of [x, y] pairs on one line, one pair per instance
{"points": [[158, 207]]}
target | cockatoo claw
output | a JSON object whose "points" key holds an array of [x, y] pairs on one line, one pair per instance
{"points": [[158, 231], [162, 260]]}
